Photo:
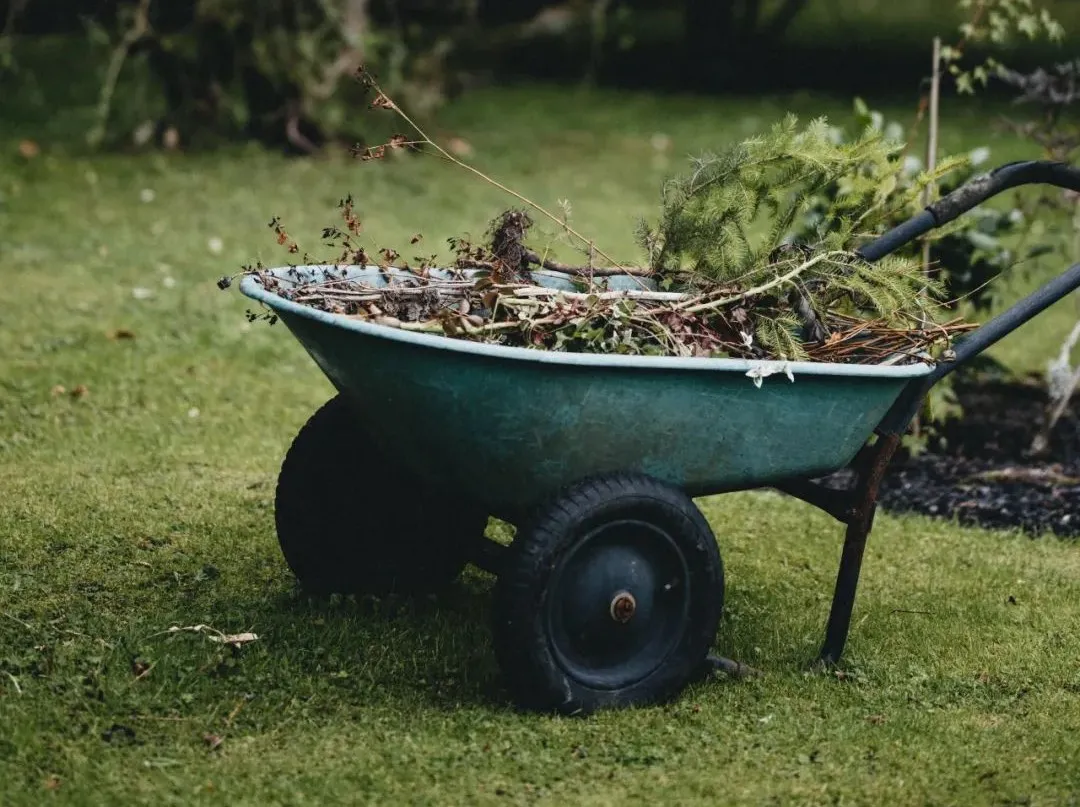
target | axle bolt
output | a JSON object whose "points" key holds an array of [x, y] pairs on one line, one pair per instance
{"points": [[623, 606]]}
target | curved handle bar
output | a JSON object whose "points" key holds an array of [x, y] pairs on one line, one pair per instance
{"points": [[970, 195], [1010, 175], [955, 204]]}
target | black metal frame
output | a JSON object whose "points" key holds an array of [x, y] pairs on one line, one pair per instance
{"points": [[856, 505]]}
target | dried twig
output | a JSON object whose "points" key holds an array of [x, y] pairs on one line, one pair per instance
{"points": [[556, 266], [236, 639]]}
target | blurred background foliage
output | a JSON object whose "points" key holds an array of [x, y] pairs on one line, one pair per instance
{"points": [[199, 74], [280, 71]]}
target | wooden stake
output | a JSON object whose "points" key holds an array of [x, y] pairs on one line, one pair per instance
{"points": [[932, 145], [931, 164]]}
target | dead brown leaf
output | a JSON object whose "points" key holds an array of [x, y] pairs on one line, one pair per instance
{"points": [[382, 102], [376, 153], [213, 741], [877, 720], [52, 782], [80, 391]]}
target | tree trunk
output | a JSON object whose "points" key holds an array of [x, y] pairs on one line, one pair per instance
{"points": [[355, 26], [354, 30], [708, 21], [709, 33], [717, 33]]}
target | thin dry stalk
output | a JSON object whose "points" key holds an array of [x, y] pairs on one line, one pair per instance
{"points": [[385, 101], [932, 146]]}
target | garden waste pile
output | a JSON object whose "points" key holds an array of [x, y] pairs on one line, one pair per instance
{"points": [[753, 257]]}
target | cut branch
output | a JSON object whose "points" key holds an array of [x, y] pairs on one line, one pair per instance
{"points": [[764, 287]]}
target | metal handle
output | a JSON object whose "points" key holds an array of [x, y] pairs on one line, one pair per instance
{"points": [[1010, 175], [955, 204], [968, 347], [970, 195]]}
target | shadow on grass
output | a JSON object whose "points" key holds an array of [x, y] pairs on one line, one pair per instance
{"points": [[432, 651], [435, 652]]}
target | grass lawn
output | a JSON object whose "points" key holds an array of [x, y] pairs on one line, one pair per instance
{"points": [[145, 501]]}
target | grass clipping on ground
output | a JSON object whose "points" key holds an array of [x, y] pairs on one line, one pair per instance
{"points": [[753, 256]]}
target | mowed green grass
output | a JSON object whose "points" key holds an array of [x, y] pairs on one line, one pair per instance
{"points": [[146, 503]]}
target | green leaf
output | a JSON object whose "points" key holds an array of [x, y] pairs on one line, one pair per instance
{"points": [[1028, 24], [983, 241]]}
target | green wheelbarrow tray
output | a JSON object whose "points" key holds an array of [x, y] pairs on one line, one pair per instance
{"points": [[509, 427], [610, 593]]}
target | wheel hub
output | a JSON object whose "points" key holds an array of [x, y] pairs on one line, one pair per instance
{"points": [[615, 608]]}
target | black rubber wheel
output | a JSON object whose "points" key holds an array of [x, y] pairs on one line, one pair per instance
{"points": [[611, 597], [350, 521]]}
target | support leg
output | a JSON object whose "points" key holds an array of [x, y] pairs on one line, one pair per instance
{"points": [[487, 555], [860, 520]]}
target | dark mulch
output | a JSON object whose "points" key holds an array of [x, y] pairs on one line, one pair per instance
{"points": [[982, 471]]}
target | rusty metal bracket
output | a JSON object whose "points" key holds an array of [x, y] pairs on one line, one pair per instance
{"points": [[837, 503], [488, 555], [854, 507], [860, 522]]}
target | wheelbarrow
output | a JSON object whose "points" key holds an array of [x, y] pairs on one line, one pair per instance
{"points": [[611, 591]]}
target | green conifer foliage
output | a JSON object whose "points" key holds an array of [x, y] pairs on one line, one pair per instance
{"points": [[733, 220]]}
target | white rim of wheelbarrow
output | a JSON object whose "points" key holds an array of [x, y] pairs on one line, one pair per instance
{"points": [[250, 287]]}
